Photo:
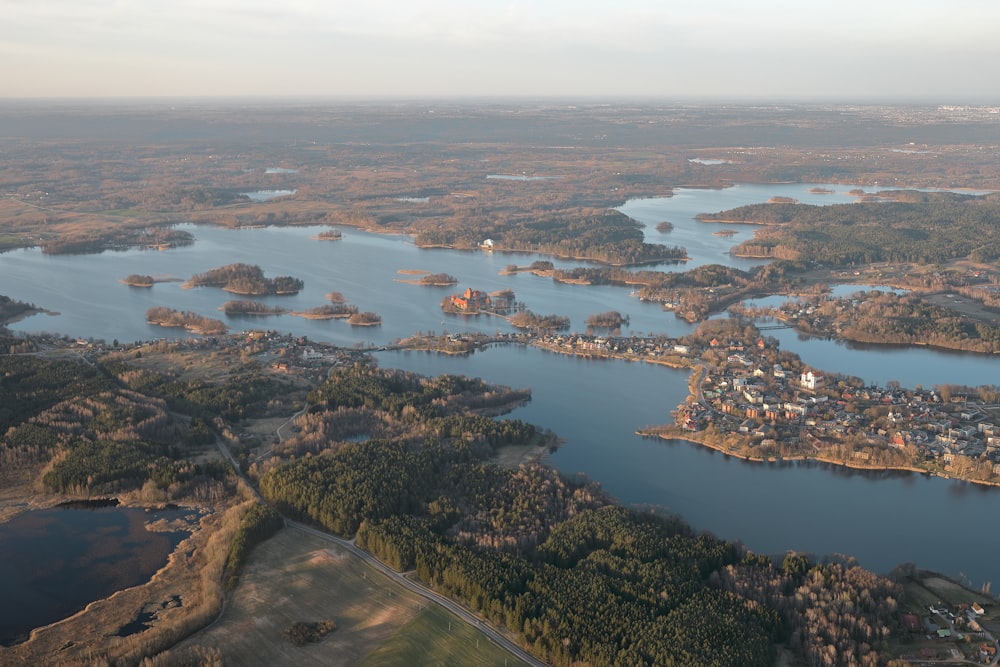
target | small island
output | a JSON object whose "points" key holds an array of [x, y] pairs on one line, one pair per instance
{"points": [[526, 319], [328, 312], [245, 279], [365, 319], [611, 319], [328, 235], [136, 280], [665, 227], [335, 297], [724, 232], [429, 279], [141, 280], [542, 268], [193, 322], [246, 307]]}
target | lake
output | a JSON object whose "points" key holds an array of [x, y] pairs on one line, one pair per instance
{"points": [[596, 406], [54, 562]]}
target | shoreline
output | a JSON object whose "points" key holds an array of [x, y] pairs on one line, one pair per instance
{"points": [[802, 459]]}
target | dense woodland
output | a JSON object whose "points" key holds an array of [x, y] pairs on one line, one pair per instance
{"points": [[85, 433], [574, 576], [925, 228]]}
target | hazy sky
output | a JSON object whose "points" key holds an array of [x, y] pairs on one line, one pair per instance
{"points": [[768, 49]]}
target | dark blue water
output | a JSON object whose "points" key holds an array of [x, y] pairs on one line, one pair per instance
{"points": [[55, 562]]}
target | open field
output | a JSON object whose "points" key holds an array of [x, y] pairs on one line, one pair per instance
{"points": [[436, 637], [296, 577]]}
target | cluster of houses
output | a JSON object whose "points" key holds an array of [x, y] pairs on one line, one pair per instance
{"points": [[961, 623], [805, 412]]}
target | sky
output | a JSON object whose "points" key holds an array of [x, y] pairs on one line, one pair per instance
{"points": [[852, 50]]}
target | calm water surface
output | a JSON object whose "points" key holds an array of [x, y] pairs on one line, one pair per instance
{"points": [[55, 562], [595, 406]]}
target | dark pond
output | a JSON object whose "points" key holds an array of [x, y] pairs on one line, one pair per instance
{"points": [[54, 562]]}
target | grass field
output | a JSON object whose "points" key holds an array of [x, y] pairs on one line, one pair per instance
{"points": [[436, 637], [296, 577]]}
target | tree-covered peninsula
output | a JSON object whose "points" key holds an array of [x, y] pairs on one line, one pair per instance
{"points": [[919, 227]]}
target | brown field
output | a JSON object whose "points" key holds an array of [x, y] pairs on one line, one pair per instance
{"points": [[297, 577]]}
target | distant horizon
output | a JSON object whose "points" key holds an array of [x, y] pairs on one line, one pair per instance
{"points": [[849, 50], [567, 100]]}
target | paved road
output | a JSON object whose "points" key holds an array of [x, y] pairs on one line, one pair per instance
{"points": [[427, 593]]}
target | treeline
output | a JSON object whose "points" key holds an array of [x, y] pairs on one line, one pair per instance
{"points": [[938, 228], [248, 279], [258, 523], [187, 319]]}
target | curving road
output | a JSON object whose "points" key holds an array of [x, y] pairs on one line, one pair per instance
{"points": [[452, 606], [460, 611]]}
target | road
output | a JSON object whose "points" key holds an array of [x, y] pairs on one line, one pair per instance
{"points": [[460, 611], [452, 606]]}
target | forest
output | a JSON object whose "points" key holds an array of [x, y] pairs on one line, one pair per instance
{"points": [[907, 319], [923, 228], [574, 576], [604, 236], [94, 436]]}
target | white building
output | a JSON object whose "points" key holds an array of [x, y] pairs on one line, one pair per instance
{"points": [[810, 380]]}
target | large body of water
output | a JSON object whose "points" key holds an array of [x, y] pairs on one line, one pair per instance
{"points": [[596, 406]]}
